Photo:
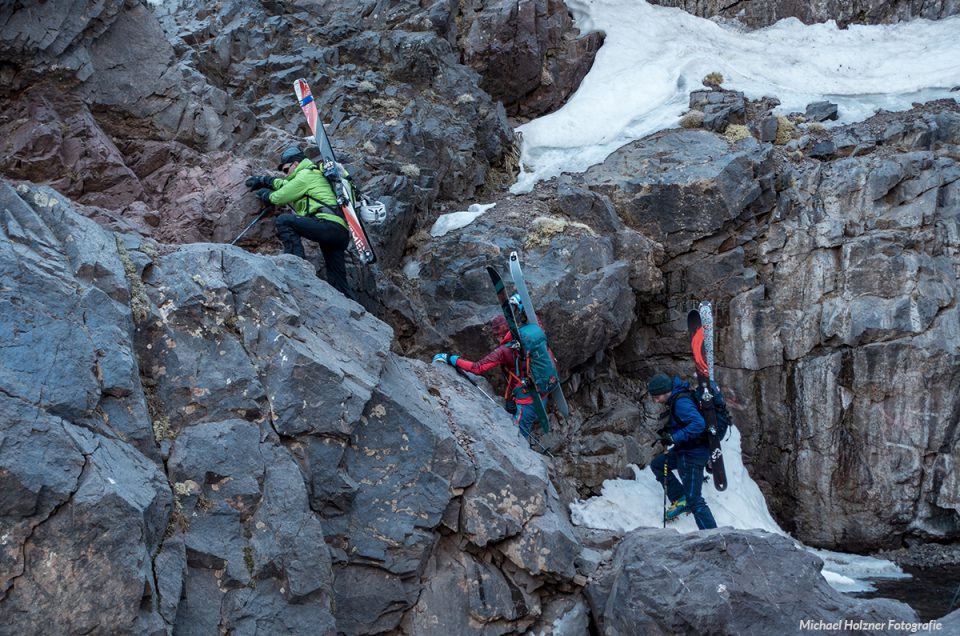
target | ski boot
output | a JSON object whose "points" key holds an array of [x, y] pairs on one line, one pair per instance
{"points": [[677, 508]]}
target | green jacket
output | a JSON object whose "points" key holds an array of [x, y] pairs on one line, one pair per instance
{"points": [[309, 191]]}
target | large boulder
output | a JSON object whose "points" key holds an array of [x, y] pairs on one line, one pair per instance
{"points": [[580, 263], [718, 582]]}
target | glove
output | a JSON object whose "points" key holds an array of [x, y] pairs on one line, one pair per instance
{"points": [[264, 195], [666, 438], [445, 357], [257, 182], [510, 406]]}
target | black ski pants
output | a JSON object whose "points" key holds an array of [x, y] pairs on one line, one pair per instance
{"points": [[332, 239]]}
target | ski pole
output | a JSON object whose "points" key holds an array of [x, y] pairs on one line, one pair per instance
{"points": [[542, 447], [463, 374], [263, 211], [487, 395], [665, 472]]}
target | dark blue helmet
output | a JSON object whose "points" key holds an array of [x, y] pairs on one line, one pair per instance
{"points": [[290, 155]]}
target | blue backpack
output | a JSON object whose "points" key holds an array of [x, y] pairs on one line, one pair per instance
{"points": [[719, 408]]}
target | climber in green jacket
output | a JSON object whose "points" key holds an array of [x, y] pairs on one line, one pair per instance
{"points": [[316, 214]]}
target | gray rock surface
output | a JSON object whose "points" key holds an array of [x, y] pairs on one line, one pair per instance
{"points": [[718, 582], [83, 513], [821, 111], [264, 460], [199, 439]]}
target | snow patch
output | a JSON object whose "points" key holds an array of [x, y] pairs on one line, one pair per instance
{"points": [[652, 57], [456, 220], [625, 505]]}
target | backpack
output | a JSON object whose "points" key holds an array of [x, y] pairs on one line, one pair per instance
{"points": [[720, 409], [538, 362]]}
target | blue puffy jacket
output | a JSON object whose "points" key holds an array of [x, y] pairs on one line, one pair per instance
{"points": [[686, 423]]}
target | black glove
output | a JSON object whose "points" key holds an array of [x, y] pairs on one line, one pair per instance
{"points": [[666, 438], [257, 182], [510, 406], [264, 194]]}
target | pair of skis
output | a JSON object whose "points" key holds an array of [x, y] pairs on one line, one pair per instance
{"points": [[517, 273], [335, 173], [700, 329]]}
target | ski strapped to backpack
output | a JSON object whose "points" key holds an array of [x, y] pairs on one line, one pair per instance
{"points": [[520, 283], [700, 329], [335, 174], [533, 339]]}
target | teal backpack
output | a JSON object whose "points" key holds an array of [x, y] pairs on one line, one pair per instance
{"points": [[538, 362]]}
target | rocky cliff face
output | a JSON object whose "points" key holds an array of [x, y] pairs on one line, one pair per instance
{"points": [[198, 438], [835, 282], [832, 266]]}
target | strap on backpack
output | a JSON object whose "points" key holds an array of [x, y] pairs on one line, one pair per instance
{"points": [[673, 409]]}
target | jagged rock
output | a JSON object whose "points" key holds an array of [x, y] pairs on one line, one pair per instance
{"points": [[53, 137], [537, 42], [35, 38], [254, 533], [465, 595], [822, 150], [821, 111], [117, 58], [716, 582], [247, 527], [226, 341], [761, 13], [767, 129], [581, 280], [86, 375], [679, 186], [83, 514], [804, 261], [720, 108]]}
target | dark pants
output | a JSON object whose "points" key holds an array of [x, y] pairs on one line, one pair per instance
{"points": [[332, 239], [690, 467]]}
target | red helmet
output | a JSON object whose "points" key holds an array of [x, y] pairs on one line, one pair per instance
{"points": [[499, 327]]}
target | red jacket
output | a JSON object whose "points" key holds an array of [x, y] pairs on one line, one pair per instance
{"points": [[505, 357]]}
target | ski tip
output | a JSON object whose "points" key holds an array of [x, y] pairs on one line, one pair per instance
{"points": [[302, 89], [514, 256]]}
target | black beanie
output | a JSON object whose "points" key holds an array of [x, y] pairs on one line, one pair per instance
{"points": [[660, 384]]}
